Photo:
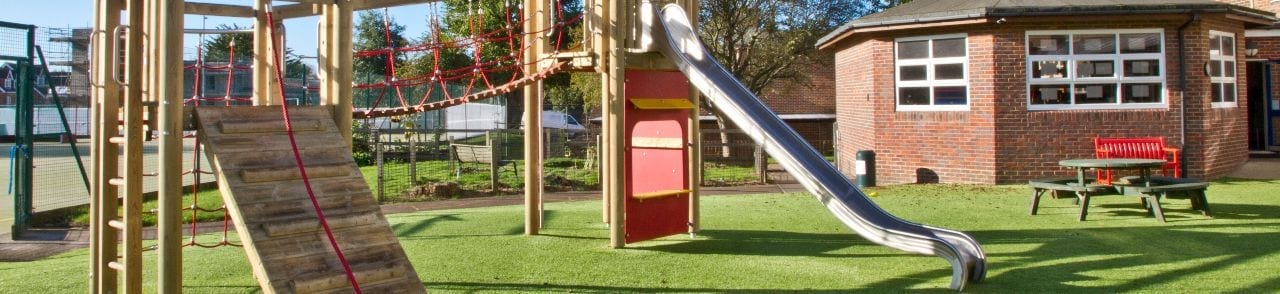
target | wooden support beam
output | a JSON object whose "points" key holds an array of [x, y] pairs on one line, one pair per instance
{"points": [[695, 142], [613, 116], [199, 8], [133, 109], [533, 119], [299, 10], [103, 240], [343, 66], [262, 88], [168, 89], [313, 7]]}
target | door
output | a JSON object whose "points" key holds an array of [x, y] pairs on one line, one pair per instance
{"points": [[1257, 102]]}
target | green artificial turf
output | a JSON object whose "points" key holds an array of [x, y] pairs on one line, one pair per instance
{"points": [[788, 243]]}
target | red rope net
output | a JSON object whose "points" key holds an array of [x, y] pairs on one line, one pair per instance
{"points": [[443, 87]]}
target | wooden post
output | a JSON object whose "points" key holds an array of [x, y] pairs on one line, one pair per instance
{"points": [[342, 58], [132, 177], [261, 57], [695, 140], [106, 109], [168, 91], [600, 36], [533, 118], [613, 114], [324, 54]]}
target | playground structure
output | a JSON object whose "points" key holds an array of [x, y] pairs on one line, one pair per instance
{"points": [[653, 69]]}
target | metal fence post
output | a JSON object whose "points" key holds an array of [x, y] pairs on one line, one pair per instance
{"points": [[762, 164], [377, 151], [412, 156], [493, 161]]}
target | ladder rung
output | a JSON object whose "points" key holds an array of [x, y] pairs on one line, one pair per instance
{"points": [[116, 181], [150, 174], [116, 265], [115, 223], [116, 140]]}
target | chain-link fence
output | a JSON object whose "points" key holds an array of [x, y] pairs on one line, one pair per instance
{"points": [[420, 164]]}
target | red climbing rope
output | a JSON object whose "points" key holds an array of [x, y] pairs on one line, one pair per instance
{"points": [[297, 157]]}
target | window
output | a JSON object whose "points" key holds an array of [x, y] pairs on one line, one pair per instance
{"points": [[1222, 69], [1095, 69], [932, 73]]}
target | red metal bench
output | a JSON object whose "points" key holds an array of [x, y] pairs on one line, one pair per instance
{"points": [[1150, 148]]}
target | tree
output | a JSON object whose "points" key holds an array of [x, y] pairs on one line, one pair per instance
{"points": [[375, 30], [216, 48], [764, 41]]}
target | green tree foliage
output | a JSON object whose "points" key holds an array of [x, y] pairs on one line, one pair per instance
{"points": [[215, 47], [372, 33], [761, 41]]}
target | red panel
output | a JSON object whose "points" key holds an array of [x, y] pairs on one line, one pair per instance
{"points": [[655, 169]]}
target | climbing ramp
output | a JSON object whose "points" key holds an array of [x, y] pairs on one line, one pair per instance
{"points": [[274, 216]]}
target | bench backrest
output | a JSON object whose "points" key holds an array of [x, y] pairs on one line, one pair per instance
{"points": [[472, 153], [1152, 148]]}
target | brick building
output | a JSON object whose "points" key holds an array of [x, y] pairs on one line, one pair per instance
{"points": [[988, 91]]}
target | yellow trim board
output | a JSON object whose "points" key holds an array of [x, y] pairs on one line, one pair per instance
{"points": [[659, 194], [661, 103]]}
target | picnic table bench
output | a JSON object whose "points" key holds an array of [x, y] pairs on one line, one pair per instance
{"points": [[1166, 187], [1149, 188]]}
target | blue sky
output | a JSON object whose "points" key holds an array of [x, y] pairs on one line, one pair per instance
{"points": [[300, 32]]}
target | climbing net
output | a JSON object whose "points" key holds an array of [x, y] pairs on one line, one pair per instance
{"points": [[397, 92]]}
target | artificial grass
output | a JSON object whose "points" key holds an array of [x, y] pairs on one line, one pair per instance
{"points": [[209, 197], [788, 243]]}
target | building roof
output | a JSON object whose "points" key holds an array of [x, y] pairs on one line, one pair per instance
{"points": [[926, 11]]}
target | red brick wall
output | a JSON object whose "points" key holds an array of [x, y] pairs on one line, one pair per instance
{"points": [[813, 93], [913, 147], [998, 140]]}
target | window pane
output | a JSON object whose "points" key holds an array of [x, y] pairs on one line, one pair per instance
{"points": [[1229, 92], [913, 96], [1216, 89], [913, 73], [950, 95], [953, 71], [948, 48], [1229, 69], [1095, 68], [1095, 44], [1049, 69], [1050, 94], [1048, 44], [1141, 93], [1215, 45], [913, 49], [1228, 46], [1142, 68], [1095, 93], [1140, 43], [1215, 68]]}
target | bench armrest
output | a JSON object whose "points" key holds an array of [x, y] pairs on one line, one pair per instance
{"points": [[1174, 152]]}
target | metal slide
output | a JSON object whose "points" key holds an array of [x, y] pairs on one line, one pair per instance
{"points": [[672, 35]]}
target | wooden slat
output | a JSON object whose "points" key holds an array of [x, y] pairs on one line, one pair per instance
{"points": [[272, 126], [199, 8], [293, 173]]}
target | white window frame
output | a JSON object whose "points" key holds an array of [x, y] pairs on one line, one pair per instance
{"points": [[1118, 79], [929, 81], [1224, 80]]}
